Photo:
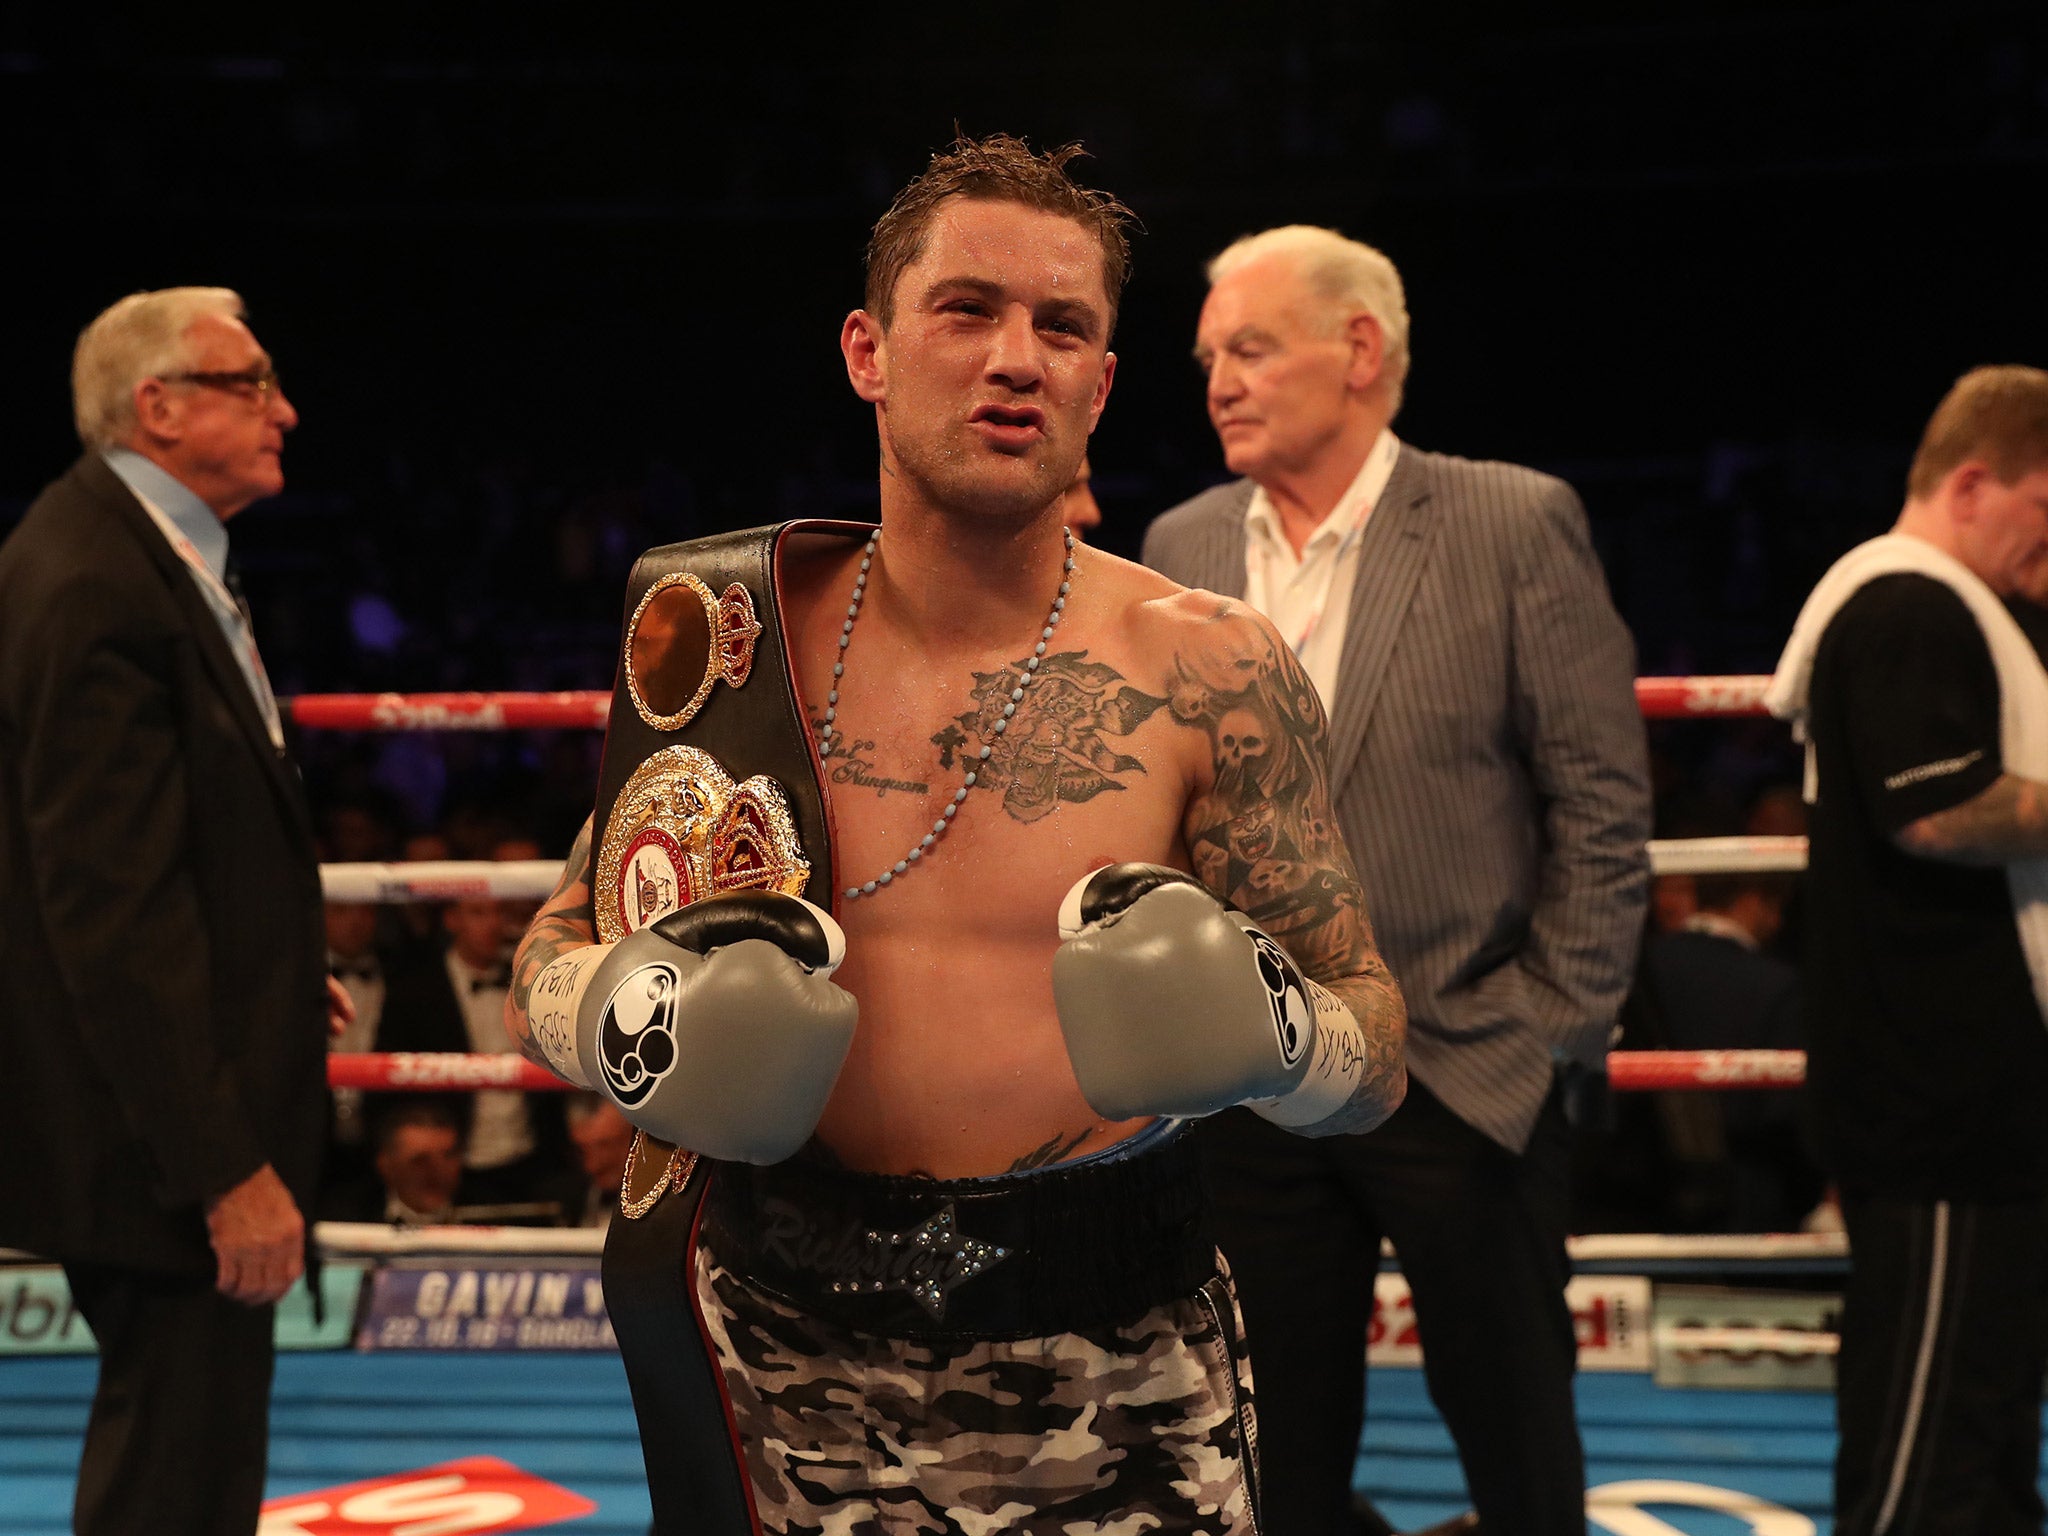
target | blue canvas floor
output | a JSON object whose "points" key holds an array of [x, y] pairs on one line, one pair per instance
{"points": [[1775, 1446], [338, 1418], [341, 1417]]}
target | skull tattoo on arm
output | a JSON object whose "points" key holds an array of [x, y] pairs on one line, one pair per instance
{"points": [[1264, 837]]}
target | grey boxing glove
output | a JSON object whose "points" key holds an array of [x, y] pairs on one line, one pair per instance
{"points": [[1174, 1004], [716, 1027]]}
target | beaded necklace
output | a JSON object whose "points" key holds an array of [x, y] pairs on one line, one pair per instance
{"points": [[826, 734]]}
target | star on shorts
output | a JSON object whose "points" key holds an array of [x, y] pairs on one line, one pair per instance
{"points": [[930, 1261]]}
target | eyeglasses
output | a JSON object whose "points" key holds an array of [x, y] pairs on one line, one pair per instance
{"points": [[262, 379]]}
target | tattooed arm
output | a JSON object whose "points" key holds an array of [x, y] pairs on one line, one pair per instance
{"points": [[1263, 835], [2007, 820], [563, 923]]}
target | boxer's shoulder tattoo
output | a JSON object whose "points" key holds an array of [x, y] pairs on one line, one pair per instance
{"points": [[1054, 1149], [1059, 744], [564, 922], [1263, 835]]}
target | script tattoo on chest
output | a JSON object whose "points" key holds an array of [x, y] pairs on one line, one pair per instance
{"points": [[1058, 744], [850, 762]]}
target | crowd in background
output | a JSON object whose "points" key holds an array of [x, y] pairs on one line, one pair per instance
{"points": [[433, 977]]}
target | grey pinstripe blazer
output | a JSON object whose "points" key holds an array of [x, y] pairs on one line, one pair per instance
{"points": [[1488, 765]]}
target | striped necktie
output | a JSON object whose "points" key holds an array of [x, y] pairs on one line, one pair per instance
{"points": [[252, 659]]}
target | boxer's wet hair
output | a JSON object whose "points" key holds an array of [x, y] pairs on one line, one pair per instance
{"points": [[998, 169], [1998, 415]]}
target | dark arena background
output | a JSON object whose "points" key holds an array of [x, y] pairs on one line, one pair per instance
{"points": [[548, 291], [549, 286]]}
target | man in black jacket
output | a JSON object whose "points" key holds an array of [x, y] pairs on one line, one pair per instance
{"points": [[161, 1009], [1926, 977], [516, 1145]]}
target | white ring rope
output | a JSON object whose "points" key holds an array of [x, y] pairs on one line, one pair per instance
{"points": [[1726, 855], [359, 1239], [369, 1239], [440, 880], [532, 879], [1737, 1340]]}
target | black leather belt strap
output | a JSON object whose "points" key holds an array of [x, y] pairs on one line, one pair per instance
{"points": [[696, 1485], [1094, 1243], [756, 728], [694, 1482]]}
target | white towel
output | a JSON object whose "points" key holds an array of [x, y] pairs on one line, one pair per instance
{"points": [[2022, 696]]}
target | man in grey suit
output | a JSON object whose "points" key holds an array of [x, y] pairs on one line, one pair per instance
{"points": [[1489, 771]]}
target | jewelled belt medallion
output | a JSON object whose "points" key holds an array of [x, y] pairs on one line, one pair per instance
{"points": [[681, 830], [680, 640]]}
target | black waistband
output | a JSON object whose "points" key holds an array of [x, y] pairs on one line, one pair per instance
{"points": [[1094, 1243]]}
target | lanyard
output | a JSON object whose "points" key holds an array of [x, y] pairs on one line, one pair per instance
{"points": [[189, 553], [1315, 619]]}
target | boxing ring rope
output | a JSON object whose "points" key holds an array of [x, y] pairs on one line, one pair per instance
{"points": [[1628, 1071], [1659, 698], [1592, 1251], [450, 880], [531, 879]]}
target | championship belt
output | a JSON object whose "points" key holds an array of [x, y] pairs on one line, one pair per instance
{"points": [[710, 781]]}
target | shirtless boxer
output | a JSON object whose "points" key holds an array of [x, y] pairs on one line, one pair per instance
{"points": [[1043, 993]]}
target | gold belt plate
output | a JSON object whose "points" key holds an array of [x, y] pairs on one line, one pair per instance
{"points": [[682, 830]]}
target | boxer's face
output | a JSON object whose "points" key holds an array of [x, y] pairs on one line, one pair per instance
{"points": [[997, 364]]}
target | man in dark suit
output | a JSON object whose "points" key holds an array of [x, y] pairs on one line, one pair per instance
{"points": [[516, 1145], [162, 1005], [1489, 771], [1738, 1162]]}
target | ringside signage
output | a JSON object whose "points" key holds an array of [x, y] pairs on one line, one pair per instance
{"points": [[38, 1317], [1610, 1312], [467, 1307]]}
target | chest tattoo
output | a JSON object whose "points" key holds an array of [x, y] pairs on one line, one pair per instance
{"points": [[850, 763], [1059, 744]]}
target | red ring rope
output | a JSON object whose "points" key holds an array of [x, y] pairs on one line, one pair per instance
{"points": [[1660, 698], [450, 711], [1627, 1071]]}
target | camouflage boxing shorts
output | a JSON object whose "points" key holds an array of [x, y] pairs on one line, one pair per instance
{"points": [[898, 1375]]}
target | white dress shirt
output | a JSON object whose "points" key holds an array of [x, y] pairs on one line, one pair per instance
{"points": [[366, 991], [1308, 596], [1722, 928], [500, 1130]]}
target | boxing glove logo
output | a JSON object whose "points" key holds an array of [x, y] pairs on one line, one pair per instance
{"points": [[636, 1037], [1286, 995]]}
